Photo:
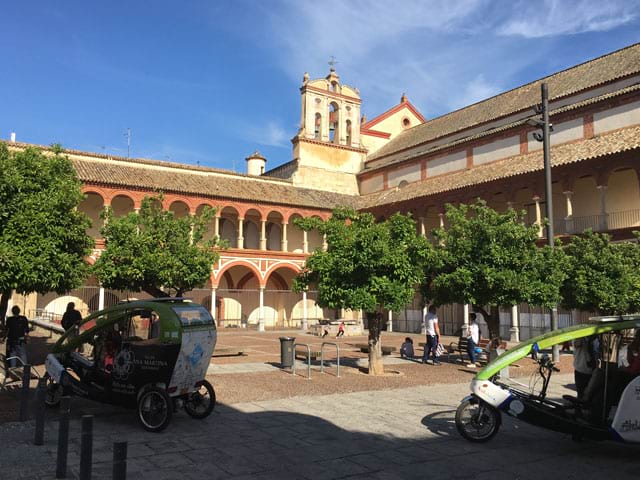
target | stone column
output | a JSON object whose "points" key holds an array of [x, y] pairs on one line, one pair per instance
{"points": [[324, 242], [538, 216], [509, 204], [423, 227], [240, 233], [568, 220], [284, 243], [216, 225], [515, 325], [465, 319], [441, 217], [305, 320], [390, 321], [263, 234], [603, 221], [423, 327], [101, 298], [305, 242], [261, 311], [213, 304]]}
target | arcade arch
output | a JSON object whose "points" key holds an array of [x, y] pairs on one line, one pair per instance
{"points": [[92, 205]]}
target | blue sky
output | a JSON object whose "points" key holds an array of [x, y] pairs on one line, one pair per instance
{"points": [[209, 82]]}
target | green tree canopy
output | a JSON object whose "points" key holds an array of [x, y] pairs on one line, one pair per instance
{"points": [[367, 266], [154, 251], [603, 277], [43, 240], [486, 258]]}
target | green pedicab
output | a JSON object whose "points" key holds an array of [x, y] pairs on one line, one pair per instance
{"points": [[151, 355], [611, 413]]}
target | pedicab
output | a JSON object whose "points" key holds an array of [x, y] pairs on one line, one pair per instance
{"points": [[151, 355], [609, 409]]}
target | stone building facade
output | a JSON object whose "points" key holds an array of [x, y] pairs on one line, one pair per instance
{"points": [[398, 161]]}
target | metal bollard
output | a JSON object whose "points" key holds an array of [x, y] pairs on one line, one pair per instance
{"points": [[40, 408], [63, 438], [120, 461], [86, 447], [24, 397]]}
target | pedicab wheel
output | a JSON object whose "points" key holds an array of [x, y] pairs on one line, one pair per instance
{"points": [[200, 403], [155, 409], [53, 393], [477, 421]]}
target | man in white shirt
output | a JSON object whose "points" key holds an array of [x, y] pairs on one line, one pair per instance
{"points": [[473, 339], [433, 335]]}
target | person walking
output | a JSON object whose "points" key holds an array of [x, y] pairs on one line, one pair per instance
{"points": [[17, 334], [473, 339], [433, 335], [340, 330]]}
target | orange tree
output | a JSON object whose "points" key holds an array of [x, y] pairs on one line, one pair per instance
{"points": [[43, 239], [154, 251], [367, 266], [491, 259]]}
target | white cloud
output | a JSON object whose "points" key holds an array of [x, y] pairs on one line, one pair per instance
{"points": [[474, 91], [555, 17], [271, 134], [444, 55]]}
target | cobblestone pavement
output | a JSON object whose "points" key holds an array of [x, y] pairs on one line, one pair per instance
{"points": [[392, 434]]}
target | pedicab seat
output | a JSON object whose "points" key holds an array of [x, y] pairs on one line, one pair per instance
{"points": [[82, 360]]}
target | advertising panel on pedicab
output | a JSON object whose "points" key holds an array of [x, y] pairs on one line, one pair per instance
{"points": [[198, 343]]}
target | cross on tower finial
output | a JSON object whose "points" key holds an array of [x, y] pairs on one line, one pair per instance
{"points": [[332, 63]]}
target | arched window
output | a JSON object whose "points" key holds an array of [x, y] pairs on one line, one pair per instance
{"points": [[317, 134], [333, 123], [349, 132]]}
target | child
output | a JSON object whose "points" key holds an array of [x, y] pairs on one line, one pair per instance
{"points": [[340, 330], [406, 349]]}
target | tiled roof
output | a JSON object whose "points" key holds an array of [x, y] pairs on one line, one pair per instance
{"points": [[429, 149], [613, 66], [202, 181], [608, 144], [252, 189]]}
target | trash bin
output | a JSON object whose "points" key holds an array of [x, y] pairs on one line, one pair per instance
{"points": [[286, 351]]}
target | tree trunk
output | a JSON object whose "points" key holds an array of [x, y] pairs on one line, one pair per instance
{"points": [[5, 296], [155, 292], [492, 318], [376, 367]]}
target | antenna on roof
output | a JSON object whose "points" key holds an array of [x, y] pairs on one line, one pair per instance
{"points": [[128, 135]]}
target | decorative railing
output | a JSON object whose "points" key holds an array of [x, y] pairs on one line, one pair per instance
{"points": [[597, 223]]}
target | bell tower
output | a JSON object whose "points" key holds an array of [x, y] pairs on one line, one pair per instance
{"points": [[327, 148], [330, 111]]}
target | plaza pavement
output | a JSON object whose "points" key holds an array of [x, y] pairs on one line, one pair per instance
{"points": [[391, 434]]}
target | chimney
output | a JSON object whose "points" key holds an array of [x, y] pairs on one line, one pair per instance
{"points": [[256, 164], [13, 136]]}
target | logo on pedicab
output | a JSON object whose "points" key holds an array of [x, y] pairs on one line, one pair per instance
{"points": [[196, 355], [123, 364]]}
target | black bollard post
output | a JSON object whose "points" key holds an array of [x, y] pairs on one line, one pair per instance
{"points": [[40, 407], [86, 447], [120, 461], [24, 397], [63, 438]]}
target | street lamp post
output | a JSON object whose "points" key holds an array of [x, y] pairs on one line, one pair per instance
{"points": [[548, 193]]}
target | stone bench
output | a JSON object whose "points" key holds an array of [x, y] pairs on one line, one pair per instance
{"points": [[304, 353], [386, 349]]}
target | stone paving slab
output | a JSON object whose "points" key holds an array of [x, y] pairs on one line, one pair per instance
{"points": [[392, 434]]}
